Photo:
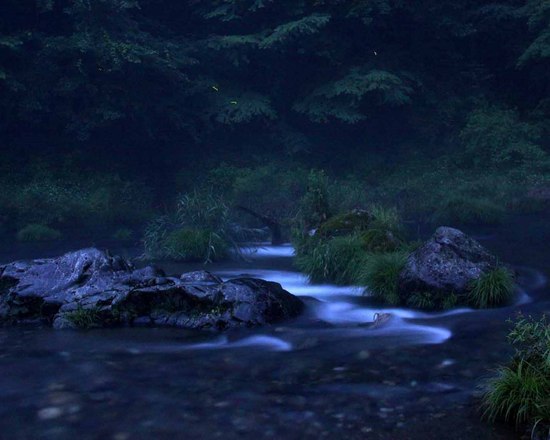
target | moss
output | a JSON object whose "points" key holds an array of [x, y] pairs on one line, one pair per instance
{"points": [[36, 232], [491, 289], [345, 224]]}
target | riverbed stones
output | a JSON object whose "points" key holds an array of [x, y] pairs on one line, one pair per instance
{"points": [[91, 288], [448, 262]]}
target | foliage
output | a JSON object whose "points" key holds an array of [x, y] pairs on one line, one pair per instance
{"points": [[491, 289], [195, 245], [84, 318], [342, 98], [496, 137], [461, 210], [198, 230], [339, 260], [38, 194], [37, 232], [314, 205], [381, 275], [520, 391]]}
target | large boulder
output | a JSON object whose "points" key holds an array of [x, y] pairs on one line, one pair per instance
{"points": [[448, 262], [90, 288]]}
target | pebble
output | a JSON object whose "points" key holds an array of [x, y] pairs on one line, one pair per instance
{"points": [[364, 354], [50, 413]]}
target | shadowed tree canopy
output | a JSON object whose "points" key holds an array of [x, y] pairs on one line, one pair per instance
{"points": [[156, 72]]}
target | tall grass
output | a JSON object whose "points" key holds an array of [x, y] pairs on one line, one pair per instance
{"points": [[520, 391], [339, 260], [381, 275], [198, 230], [491, 289]]}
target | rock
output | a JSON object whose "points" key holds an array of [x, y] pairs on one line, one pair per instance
{"points": [[200, 277], [90, 288], [447, 262]]}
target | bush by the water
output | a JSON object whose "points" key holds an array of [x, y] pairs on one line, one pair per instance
{"points": [[519, 392], [66, 200], [38, 232], [381, 275], [339, 259], [338, 249], [198, 230], [491, 289]]}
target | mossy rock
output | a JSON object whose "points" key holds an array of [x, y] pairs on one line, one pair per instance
{"points": [[345, 224]]}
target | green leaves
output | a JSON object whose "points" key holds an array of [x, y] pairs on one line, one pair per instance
{"points": [[240, 107], [342, 99], [288, 33], [496, 137]]}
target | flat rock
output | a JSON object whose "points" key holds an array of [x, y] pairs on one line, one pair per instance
{"points": [[91, 288]]}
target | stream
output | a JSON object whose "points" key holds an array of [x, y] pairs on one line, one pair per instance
{"points": [[323, 375]]}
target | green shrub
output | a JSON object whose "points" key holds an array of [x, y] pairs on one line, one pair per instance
{"points": [[339, 259], [314, 207], [195, 245], [198, 230], [520, 391], [37, 232], [63, 199], [491, 289], [381, 275]]}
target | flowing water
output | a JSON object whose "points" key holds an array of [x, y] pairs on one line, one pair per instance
{"points": [[327, 374]]}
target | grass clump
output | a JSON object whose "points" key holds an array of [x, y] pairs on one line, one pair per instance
{"points": [[84, 318], [341, 246], [198, 230], [37, 232], [381, 275], [492, 289], [520, 391], [195, 245], [339, 260]]}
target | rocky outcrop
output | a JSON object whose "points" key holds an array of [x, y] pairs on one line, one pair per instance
{"points": [[448, 262], [90, 288]]}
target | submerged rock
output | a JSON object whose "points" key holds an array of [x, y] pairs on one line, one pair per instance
{"points": [[90, 288], [448, 262]]}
